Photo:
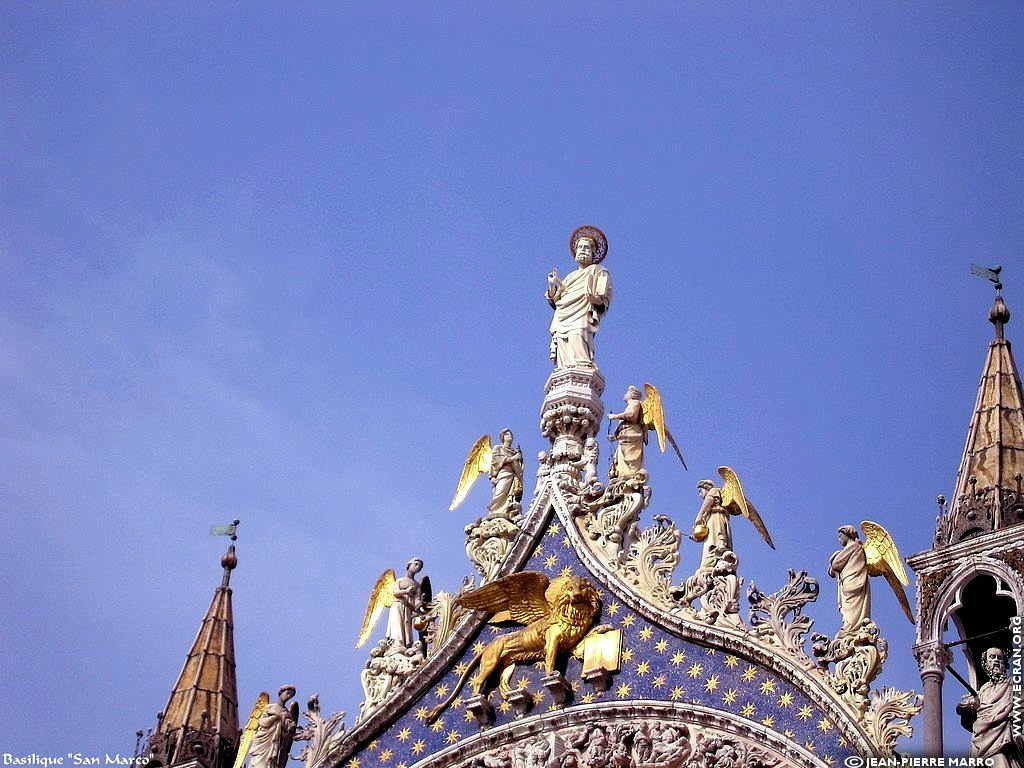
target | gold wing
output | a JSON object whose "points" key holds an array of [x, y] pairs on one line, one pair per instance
{"points": [[382, 596], [732, 496], [881, 552], [478, 461], [883, 559], [245, 741], [519, 598], [654, 413]]}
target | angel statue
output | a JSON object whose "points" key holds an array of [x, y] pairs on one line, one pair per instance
{"points": [[579, 301], [712, 526], [407, 599], [636, 419], [503, 465], [856, 561], [268, 736]]}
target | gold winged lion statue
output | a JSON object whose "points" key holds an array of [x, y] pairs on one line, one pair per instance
{"points": [[558, 615]]}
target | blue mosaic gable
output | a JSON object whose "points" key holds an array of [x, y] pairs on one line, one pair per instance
{"points": [[655, 665]]}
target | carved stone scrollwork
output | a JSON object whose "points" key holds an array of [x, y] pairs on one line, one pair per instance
{"points": [[324, 735], [388, 668], [611, 519], [443, 615], [888, 717], [717, 588], [488, 541], [858, 657], [651, 560], [778, 618]]}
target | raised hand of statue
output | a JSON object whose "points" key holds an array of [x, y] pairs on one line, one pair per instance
{"points": [[554, 283]]}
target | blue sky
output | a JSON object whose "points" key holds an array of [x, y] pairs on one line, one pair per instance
{"points": [[285, 263]]}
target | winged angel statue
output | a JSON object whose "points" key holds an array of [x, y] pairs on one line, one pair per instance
{"points": [[406, 598], [502, 463], [637, 418], [268, 735], [856, 562], [558, 616], [712, 526]]}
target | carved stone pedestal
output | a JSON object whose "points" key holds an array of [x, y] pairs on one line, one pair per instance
{"points": [[572, 412], [559, 689], [521, 701], [481, 709]]}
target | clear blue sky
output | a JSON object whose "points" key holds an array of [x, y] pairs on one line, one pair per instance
{"points": [[285, 263]]}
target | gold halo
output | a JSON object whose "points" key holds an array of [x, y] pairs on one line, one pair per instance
{"points": [[595, 234]]}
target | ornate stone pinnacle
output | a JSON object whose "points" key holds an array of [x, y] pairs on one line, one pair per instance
{"points": [[572, 412]]}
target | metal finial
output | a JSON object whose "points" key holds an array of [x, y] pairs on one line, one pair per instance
{"points": [[229, 560], [992, 275]]}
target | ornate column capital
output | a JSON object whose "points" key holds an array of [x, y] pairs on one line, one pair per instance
{"points": [[932, 658]]}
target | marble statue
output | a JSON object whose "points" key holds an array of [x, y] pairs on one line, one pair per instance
{"points": [[408, 603], [712, 525], [579, 301], [506, 472], [636, 420], [852, 565], [503, 465], [849, 566], [407, 599], [992, 711], [275, 730], [630, 436]]}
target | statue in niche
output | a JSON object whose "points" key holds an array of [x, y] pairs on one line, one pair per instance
{"points": [[852, 565], [579, 301], [637, 418], [503, 464], [268, 736], [408, 600], [992, 713]]}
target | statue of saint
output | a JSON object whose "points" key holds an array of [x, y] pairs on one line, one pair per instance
{"points": [[506, 472], [579, 301], [849, 566], [275, 731], [631, 436], [992, 710], [410, 601]]}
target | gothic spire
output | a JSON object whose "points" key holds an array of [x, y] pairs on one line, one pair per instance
{"points": [[200, 721], [988, 485]]}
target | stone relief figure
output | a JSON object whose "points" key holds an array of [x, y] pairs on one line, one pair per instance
{"points": [[579, 301], [407, 600], [268, 736], [856, 562], [712, 526], [503, 464], [637, 418], [992, 713]]}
